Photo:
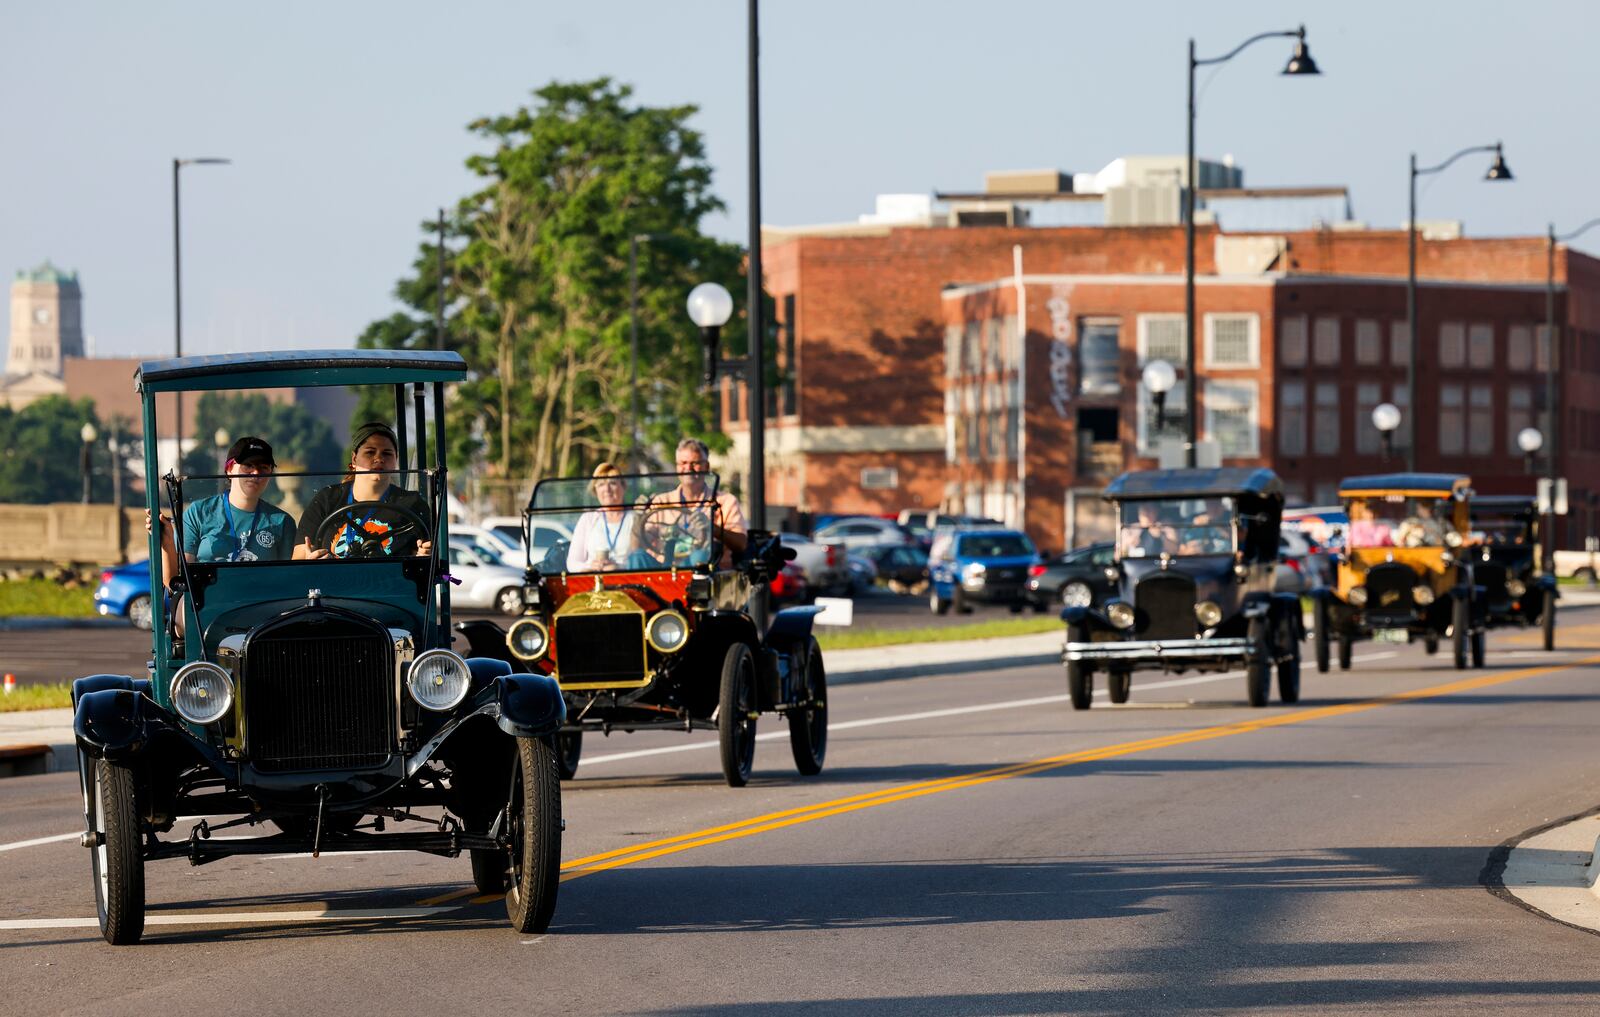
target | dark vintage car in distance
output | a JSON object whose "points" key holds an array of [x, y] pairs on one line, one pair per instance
{"points": [[1078, 578], [1515, 590], [987, 566], [1196, 550]]}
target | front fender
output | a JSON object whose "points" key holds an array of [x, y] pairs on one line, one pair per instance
{"points": [[117, 724], [791, 625], [1087, 616], [530, 705], [1256, 605]]}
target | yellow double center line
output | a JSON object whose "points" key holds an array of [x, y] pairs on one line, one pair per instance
{"points": [[579, 867]]}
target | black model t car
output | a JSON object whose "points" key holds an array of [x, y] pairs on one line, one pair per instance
{"points": [[1515, 591], [1078, 578], [1195, 555]]}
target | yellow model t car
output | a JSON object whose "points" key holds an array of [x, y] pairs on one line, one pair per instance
{"points": [[1405, 572]]}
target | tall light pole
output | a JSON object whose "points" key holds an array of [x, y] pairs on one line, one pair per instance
{"points": [[1498, 170], [177, 285], [88, 434], [1386, 417], [1300, 63], [1552, 396], [758, 334]]}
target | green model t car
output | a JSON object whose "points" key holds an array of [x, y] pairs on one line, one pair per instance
{"points": [[315, 700]]}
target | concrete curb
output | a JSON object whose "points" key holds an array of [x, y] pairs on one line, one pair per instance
{"points": [[1554, 872]]}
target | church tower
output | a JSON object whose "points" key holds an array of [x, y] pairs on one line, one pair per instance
{"points": [[46, 321]]}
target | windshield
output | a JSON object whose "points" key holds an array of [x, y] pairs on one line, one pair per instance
{"points": [[1176, 526], [995, 545], [1507, 529], [642, 522], [1395, 520], [254, 514]]}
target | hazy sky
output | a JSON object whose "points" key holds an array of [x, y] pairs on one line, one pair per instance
{"points": [[345, 122]]}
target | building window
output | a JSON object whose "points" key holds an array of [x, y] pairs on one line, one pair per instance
{"points": [[1480, 346], [789, 374], [1452, 420], [991, 345], [1231, 418], [879, 478], [1292, 341], [1292, 418], [1099, 358], [1231, 340], [1519, 408], [1480, 420], [1519, 348], [1541, 349], [1369, 342], [1161, 337], [1368, 395], [1325, 419], [1400, 343], [1452, 344], [1325, 346], [972, 344], [952, 351], [1327, 492]]}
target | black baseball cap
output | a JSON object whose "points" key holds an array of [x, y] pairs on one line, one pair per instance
{"points": [[251, 450]]}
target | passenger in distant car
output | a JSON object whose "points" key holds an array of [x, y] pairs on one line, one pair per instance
{"points": [[603, 538]]}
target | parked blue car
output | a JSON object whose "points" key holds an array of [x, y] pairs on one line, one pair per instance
{"points": [[125, 592], [972, 566]]}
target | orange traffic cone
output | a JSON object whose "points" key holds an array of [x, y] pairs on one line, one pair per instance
{"points": [[11, 682]]}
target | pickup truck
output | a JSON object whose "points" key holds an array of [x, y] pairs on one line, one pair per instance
{"points": [[826, 566], [1579, 564]]}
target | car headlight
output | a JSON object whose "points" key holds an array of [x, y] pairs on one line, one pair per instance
{"points": [[1077, 595], [1423, 595], [974, 570], [202, 692], [667, 631], [1358, 596], [1112, 575], [438, 680], [1208, 613], [1516, 587], [528, 639], [1120, 614]]}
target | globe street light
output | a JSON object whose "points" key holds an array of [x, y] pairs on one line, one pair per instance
{"points": [[1300, 63], [1498, 170], [88, 434], [177, 281], [1386, 418], [1529, 440], [1159, 377], [710, 306]]}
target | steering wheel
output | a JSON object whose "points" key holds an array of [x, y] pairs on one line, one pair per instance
{"points": [[370, 545]]}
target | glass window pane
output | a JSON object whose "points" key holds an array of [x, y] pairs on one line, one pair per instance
{"points": [[1099, 358], [1452, 420], [1292, 341], [1369, 342], [1519, 347], [1452, 344], [1480, 346], [1292, 418], [1325, 419], [1231, 342], [1326, 347]]}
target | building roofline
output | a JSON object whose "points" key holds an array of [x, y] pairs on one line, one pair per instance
{"points": [[1260, 279]]}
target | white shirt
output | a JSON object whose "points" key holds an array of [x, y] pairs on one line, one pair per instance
{"points": [[596, 533]]}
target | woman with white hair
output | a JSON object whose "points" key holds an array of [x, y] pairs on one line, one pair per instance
{"points": [[604, 536]]}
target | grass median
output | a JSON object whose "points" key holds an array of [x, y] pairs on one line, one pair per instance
{"points": [[42, 598], [865, 638], [54, 696]]}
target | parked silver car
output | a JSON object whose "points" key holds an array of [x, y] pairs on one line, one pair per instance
{"points": [[863, 531], [485, 583]]}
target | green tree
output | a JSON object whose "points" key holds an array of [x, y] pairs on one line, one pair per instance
{"points": [[536, 282], [297, 437], [41, 453]]}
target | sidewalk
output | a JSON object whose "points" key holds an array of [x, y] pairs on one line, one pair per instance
{"points": [[1553, 871]]}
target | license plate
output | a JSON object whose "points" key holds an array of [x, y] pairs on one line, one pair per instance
{"points": [[1391, 636]]}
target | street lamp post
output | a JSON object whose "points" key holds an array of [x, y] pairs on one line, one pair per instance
{"points": [[86, 463], [1529, 440], [1498, 170], [1159, 377], [177, 283], [1386, 418], [114, 446], [756, 376], [1552, 396], [1299, 64]]}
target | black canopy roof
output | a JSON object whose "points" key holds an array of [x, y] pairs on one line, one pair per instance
{"points": [[1226, 480], [1441, 482], [1490, 504]]}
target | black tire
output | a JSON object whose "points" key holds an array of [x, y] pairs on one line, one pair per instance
{"points": [[1346, 645], [1321, 635], [139, 613], [1119, 684], [533, 828], [1430, 645], [937, 604], [1460, 623], [958, 601], [491, 870], [1080, 684], [1258, 672], [509, 601], [1547, 619], [117, 862], [736, 722], [1289, 668], [569, 749], [1017, 607], [1476, 645], [808, 728]]}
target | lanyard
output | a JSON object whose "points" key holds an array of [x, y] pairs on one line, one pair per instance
{"points": [[611, 538], [240, 540], [361, 524]]}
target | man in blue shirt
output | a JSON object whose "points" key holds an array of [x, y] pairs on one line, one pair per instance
{"points": [[237, 526]]}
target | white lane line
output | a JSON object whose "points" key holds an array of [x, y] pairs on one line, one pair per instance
{"points": [[933, 714], [35, 842], [236, 918]]}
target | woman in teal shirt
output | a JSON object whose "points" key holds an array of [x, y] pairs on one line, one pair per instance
{"points": [[238, 525]]}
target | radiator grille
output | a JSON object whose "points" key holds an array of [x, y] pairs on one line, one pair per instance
{"points": [[319, 695], [600, 648], [1166, 606], [1389, 590], [1492, 577]]}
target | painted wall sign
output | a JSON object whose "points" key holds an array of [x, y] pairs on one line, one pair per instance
{"points": [[1060, 309]]}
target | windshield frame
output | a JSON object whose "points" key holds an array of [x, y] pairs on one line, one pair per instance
{"points": [[687, 542]]}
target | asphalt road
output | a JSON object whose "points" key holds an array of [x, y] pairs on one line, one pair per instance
{"points": [[973, 847], [39, 656]]}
